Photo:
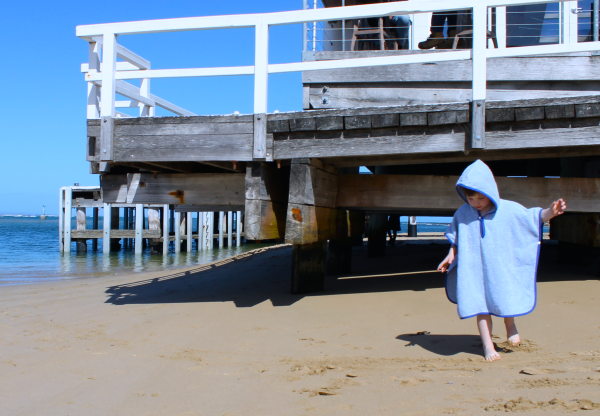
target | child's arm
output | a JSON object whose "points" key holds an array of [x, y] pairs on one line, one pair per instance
{"points": [[443, 267], [556, 209]]}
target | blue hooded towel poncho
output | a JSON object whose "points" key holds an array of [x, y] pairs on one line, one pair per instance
{"points": [[494, 271]]}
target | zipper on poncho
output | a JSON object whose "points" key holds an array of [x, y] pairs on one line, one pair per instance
{"points": [[482, 223]]}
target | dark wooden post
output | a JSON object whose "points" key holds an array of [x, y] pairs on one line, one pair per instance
{"points": [[115, 243], [308, 267], [339, 256], [95, 227], [357, 226], [125, 226], [377, 235]]}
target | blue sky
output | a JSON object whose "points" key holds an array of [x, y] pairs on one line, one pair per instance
{"points": [[43, 106]]}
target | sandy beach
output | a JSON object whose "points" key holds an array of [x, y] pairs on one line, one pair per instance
{"points": [[228, 339]]}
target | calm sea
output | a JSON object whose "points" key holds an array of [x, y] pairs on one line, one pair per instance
{"points": [[29, 254]]}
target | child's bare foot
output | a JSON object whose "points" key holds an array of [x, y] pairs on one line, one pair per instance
{"points": [[490, 353], [484, 324], [512, 335]]}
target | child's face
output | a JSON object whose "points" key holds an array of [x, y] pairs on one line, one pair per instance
{"points": [[479, 202]]}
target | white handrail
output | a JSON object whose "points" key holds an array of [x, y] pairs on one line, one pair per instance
{"points": [[112, 78]]}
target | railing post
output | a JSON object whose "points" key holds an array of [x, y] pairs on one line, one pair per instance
{"points": [[93, 97], [107, 104], [479, 77], [596, 18], [501, 26], [145, 110], [304, 28], [261, 85]]}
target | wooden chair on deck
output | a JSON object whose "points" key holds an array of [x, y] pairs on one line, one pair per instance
{"points": [[470, 32], [380, 31]]}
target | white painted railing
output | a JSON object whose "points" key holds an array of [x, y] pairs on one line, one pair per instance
{"points": [[110, 75]]}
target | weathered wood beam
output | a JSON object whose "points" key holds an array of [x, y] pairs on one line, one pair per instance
{"points": [[191, 188], [265, 201], [546, 68], [485, 155], [405, 192], [374, 145], [229, 166]]}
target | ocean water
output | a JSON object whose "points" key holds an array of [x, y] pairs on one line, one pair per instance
{"points": [[29, 253]]}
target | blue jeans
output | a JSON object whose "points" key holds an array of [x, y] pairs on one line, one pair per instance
{"points": [[402, 24]]}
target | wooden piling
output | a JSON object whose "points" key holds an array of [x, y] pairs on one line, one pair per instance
{"points": [[188, 233], [67, 219], [177, 232], [308, 267], [95, 227], [139, 226], [377, 235], [238, 229], [339, 256], [106, 228], [125, 226], [115, 244], [165, 230], [220, 229], [412, 226], [229, 229], [153, 224], [80, 226]]}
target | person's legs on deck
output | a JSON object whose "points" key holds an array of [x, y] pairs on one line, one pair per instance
{"points": [[402, 24]]}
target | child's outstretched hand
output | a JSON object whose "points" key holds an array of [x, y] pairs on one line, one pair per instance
{"points": [[443, 267], [556, 208]]}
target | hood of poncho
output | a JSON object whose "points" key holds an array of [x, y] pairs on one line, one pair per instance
{"points": [[478, 177]]}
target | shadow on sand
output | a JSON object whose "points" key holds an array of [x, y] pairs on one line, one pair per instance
{"points": [[254, 279], [445, 345]]}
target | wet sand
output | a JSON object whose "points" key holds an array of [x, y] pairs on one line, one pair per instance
{"points": [[229, 339]]}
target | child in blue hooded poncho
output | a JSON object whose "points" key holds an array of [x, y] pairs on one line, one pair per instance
{"points": [[492, 264]]}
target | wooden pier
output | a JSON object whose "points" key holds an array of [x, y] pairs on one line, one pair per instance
{"points": [[414, 119]]}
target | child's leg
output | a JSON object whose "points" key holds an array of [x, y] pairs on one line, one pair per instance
{"points": [[511, 332], [484, 324]]}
